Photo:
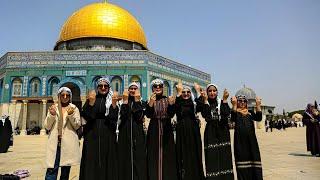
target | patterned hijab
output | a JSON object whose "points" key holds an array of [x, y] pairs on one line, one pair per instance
{"points": [[243, 111], [105, 79]]}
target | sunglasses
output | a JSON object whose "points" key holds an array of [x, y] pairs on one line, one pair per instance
{"points": [[65, 95], [133, 88], [158, 86], [103, 86], [242, 101], [188, 92]]}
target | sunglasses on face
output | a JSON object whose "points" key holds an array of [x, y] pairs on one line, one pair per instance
{"points": [[65, 95], [242, 101], [211, 90], [158, 86], [186, 92], [133, 88], [103, 86]]}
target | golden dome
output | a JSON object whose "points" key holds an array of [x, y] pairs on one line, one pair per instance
{"points": [[103, 20]]}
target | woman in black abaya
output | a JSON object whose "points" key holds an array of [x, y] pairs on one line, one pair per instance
{"points": [[217, 146], [99, 153], [161, 153], [188, 141], [246, 148], [132, 144]]}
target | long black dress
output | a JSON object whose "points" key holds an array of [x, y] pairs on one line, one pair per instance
{"points": [[5, 135], [161, 153], [312, 133], [99, 153], [188, 141], [217, 146], [246, 148], [132, 112]]}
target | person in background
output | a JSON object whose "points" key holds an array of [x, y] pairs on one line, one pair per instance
{"points": [[6, 139], [311, 119]]}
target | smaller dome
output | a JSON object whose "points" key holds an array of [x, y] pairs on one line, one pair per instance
{"points": [[249, 94]]}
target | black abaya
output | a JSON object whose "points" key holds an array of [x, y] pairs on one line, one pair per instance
{"points": [[99, 153], [132, 114], [217, 146], [188, 141], [246, 148], [5, 135], [161, 153]]}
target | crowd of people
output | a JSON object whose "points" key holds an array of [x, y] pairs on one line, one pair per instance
{"points": [[116, 147]]}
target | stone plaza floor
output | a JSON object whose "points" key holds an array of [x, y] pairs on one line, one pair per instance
{"points": [[284, 156]]}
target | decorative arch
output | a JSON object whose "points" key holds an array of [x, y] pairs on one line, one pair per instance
{"points": [[77, 81], [117, 84], [136, 79], [16, 87], [53, 81], [94, 81], [166, 88], [34, 87]]}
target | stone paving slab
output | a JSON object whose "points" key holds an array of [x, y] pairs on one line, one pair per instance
{"points": [[283, 153]]}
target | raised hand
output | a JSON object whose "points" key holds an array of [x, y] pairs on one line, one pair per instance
{"points": [[152, 99], [258, 103], [91, 97], [204, 96], [197, 87], [125, 96], [179, 87], [234, 102], [225, 95], [137, 96], [171, 100], [52, 110], [115, 99], [70, 110]]}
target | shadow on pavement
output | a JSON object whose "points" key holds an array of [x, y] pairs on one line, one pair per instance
{"points": [[300, 154]]}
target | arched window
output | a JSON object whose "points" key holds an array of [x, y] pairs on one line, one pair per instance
{"points": [[95, 81], [166, 89], [135, 79], [52, 82], [17, 87], [35, 87], [116, 84]]}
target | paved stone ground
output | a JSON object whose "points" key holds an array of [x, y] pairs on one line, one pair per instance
{"points": [[283, 153]]}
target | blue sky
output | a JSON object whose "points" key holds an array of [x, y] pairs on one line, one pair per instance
{"points": [[271, 46]]}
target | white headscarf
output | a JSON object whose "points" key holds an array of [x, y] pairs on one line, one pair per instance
{"points": [[156, 82], [134, 84], [218, 99], [65, 89]]}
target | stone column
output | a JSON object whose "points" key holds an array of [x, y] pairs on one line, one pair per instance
{"points": [[171, 88], [24, 118], [44, 108], [14, 119]]}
